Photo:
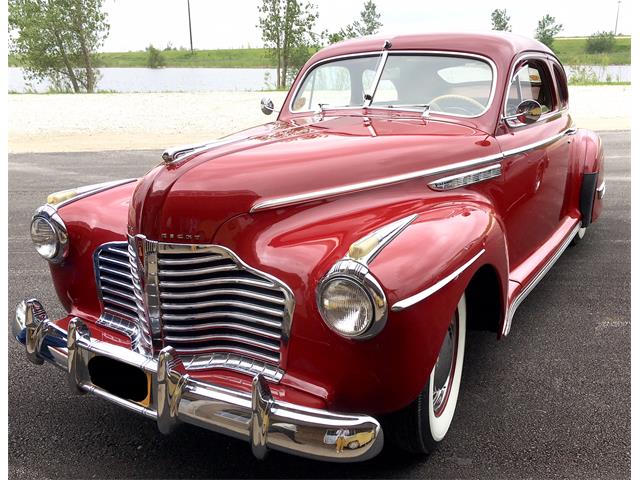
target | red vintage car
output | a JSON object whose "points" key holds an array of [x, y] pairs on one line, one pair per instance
{"points": [[307, 284]]}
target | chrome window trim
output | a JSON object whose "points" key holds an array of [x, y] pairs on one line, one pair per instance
{"points": [[467, 178], [418, 297], [547, 116], [449, 53], [539, 276]]}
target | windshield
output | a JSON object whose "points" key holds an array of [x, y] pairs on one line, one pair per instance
{"points": [[453, 85]]}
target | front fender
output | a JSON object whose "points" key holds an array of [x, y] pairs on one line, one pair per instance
{"points": [[299, 245], [436, 256]]}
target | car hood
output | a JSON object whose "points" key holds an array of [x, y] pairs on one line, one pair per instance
{"points": [[190, 198]]}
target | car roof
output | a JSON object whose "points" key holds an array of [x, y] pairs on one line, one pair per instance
{"points": [[500, 47]]}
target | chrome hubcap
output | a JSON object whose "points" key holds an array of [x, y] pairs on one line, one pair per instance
{"points": [[445, 367]]}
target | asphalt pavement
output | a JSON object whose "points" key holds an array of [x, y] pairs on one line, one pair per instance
{"points": [[551, 400]]}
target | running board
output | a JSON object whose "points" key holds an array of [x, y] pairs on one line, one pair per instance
{"points": [[519, 296]]}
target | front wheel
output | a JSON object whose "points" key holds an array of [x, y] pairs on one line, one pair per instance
{"points": [[419, 427]]}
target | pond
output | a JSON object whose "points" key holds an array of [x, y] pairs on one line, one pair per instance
{"points": [[166, 79], [237, 79]]}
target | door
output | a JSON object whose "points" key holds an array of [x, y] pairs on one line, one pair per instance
{"points": [[536, 160]]}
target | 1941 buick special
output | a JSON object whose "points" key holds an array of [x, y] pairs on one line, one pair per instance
{"points": [[307, 284]]}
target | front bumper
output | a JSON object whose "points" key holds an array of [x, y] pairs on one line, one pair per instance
{"points": [[174, 396]]}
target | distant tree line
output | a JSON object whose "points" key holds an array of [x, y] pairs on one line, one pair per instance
{"points": [[548, 29]]}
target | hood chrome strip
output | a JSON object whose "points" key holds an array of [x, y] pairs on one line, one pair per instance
{"points": [[330, 192], [354, 187]]}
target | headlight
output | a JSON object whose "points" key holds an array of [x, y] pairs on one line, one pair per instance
{"points": [[351, 302], [345, 306], [44, 237], [49, 235]]}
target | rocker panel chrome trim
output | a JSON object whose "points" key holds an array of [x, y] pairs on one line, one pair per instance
{"points": [[539, 276]]}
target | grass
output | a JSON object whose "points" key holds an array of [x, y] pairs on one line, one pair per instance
{"points": [[228, 58], [571, 51]]}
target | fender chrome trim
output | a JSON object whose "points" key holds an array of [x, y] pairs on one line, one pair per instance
{"points": [[88, 190], [467, 178], [418, 297], [369, 246]]}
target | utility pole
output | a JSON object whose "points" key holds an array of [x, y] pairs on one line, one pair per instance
{"points": [[617, 13], [191, 37]]}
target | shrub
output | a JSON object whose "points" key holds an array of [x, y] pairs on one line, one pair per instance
{"points": [[155, 59], [583, 75], [601, 42]]}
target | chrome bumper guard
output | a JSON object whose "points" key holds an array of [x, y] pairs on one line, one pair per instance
{"points": [[258, 418]]}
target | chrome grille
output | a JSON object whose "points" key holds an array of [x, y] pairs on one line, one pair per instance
{"points": [[211, 302], [115, 281], [212, 308]]}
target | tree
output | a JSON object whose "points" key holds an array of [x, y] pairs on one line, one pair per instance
{"points": [[601, 42], [500, 20], [58, 40], [287, 31], [155, 59], [368, 24], [547, 30]]}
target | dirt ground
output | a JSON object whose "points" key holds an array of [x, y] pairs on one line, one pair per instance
{"points": [[136, 121]]}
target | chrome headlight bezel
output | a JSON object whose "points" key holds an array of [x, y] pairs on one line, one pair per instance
{"points": [[49, 214], [358, 274]]}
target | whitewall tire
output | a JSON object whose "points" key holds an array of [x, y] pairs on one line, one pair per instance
{"points": [[424, 423]]}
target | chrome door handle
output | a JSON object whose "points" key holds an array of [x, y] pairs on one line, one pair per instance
{"points": [[570, 131]]}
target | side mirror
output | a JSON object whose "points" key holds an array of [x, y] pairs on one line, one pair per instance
{"points": [[266, 105], [528, 112]]}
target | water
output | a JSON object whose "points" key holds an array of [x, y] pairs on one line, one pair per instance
{"points": [[610, 73], [232, 79], [165, 79]]}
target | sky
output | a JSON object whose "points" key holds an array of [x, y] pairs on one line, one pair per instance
{"points": [[232, 24]]}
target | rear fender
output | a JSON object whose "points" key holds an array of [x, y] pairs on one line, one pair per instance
{"points": [[588, 186]]}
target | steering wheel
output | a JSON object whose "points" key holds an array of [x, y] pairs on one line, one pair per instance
{"points": [[475, 105]]}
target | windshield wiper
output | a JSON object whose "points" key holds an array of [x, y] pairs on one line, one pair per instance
{"points": [[382, 59], [424, 106]]}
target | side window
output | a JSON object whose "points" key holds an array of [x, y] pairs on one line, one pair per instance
{"points": [[531, 82], [329, 84], [561, 82]]}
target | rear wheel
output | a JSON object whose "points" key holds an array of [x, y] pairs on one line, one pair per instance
{"points": [[419, 427]]}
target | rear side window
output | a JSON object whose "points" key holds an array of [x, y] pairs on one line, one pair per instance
{"points": [[561, 82], [531, 82]]}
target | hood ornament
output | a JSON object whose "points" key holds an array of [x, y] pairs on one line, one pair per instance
{"points": [[173, 154]]}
